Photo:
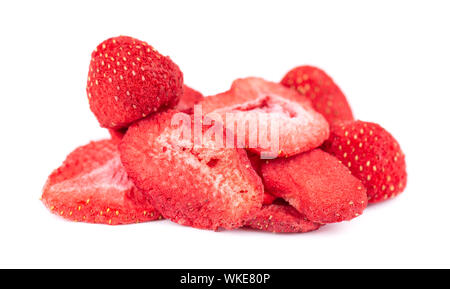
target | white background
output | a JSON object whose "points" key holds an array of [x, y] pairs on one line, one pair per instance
{"points": [[391, 58]]}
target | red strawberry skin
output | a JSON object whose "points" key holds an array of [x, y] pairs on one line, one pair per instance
{"points": [[372, 154], [326, 97], [128, 80], [281, 218], [300, 127], [207, 186], [92, 186], [317, 185], [189, 98]]}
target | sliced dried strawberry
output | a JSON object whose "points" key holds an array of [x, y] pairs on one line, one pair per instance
{"points": [[204, 186], [317, 184], [281, 218], [270, 118], [92, 186]]}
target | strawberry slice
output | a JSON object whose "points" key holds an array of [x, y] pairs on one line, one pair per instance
{"points": [[92, 186], [317, 185], [327, 98], [188, 99], [260, 111], [373, 156], [281, 218], [128, 80], [204, 186]]}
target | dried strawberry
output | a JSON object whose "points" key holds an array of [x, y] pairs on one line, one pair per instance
{"points": [[204, 186], [92, 186], [319, 87], [256, 107], [281, 218], [128, 80], [372, 154], [317, 185]]}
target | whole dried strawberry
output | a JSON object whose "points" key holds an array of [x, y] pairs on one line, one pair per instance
{"points": [[372, 154], [326, 97], [128, 80]]}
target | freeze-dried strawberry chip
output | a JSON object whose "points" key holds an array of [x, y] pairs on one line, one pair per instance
{"points": [[203, 185], [281, 218], [92, 186], [268, 118], [317, 184]]}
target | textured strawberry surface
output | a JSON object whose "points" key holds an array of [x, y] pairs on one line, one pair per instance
{"points": [[325, 95], [92, 186], [281, 218], [256, 105], [188, 99], [317, 184], [373, 156], [207, 186], [128, 79]]}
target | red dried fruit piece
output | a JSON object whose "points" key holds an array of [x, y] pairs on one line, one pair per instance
{"points": [[257, 106], [327, 98], [281, 218], [128, 80], [373, 156], [317, 184], [92, 186], [204, 186], [117, 134], [188, 99]]}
